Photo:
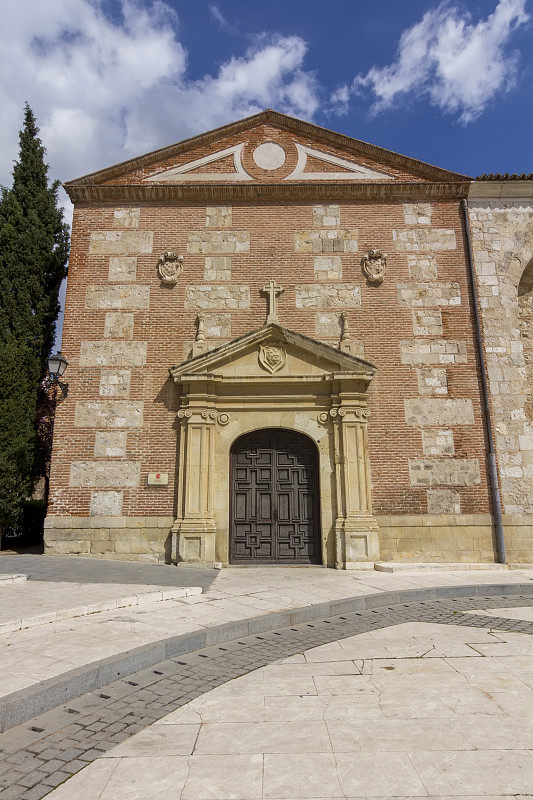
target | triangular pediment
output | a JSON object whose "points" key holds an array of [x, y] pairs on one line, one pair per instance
{"points": [[273, 352], [269, 148]]}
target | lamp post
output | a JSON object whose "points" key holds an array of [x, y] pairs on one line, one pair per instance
{"points": [[57, 365]]}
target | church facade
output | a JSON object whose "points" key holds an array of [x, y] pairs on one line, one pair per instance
{"points": [[287, 346]]}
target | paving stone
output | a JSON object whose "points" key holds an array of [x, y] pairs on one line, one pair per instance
{"points": [[68, 748], [12, 792], [35, 793]]}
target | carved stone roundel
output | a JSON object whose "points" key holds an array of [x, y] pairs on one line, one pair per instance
{"points": [[272, 357], [269, 155]]}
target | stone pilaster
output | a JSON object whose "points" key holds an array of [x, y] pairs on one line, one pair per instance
{"points": [[193, 532], [356, 529]]}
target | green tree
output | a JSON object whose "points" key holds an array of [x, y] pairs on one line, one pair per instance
{"points": [[34, 246]]}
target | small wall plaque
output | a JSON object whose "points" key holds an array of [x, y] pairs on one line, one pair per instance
{"points": [[157, 479]]}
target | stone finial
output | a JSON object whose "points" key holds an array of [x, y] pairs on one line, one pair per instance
{"points": [[200, 328], [273, 291], [199, 345], [346, 344]]}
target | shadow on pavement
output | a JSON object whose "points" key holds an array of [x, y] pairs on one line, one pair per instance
{"points": [[66, 569]]}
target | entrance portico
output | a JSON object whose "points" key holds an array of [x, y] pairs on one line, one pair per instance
{"points": [[274, 378]]}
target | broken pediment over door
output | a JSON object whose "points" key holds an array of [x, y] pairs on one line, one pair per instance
{"points": [[274, 352]]}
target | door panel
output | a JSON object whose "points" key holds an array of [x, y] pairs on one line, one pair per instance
{"points": [[274, 499]]}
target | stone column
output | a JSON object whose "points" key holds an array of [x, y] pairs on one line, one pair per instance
{"points": [[356, 529], [193, 532]]}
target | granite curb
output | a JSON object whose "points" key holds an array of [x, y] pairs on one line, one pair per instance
{"points": [[18, 578], [94, 608], [25, 704]]}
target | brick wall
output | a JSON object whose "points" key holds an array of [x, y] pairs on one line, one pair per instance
{"points": [[124, 328]]}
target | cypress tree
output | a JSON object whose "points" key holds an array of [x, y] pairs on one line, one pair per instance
{"points": [[34, 245]]}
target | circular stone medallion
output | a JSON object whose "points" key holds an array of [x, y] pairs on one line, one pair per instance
{"points": [[269, 156]]}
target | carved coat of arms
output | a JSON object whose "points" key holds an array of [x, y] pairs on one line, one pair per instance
{"points": [[272, 357], [169, 267], [374, 264]]}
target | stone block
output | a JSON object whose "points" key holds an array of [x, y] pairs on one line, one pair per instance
{"points": [[436, 351], [108, 414], [113, 354], [424, 240], [427, 322], [328, 295], [115, 383], [428, 295], [126, 217], [443, 501], [328, 268], [217, 325], [121, 243], [422, 268], [115, 474], [217, 268], [328, 241], [106, 504], [417, 213], [218, 216], [432, 380], [207, 297], [118, 326], [438, 443], [326, 216], [123, 268], [444, 471], [110, 444], [130, 297], [328, 325], [436, 411], [139, 546], [211, 242]]}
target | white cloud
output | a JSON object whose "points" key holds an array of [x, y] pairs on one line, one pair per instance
{"points": [[459, 65], [219, 17], [105, 90], [340, 100]]}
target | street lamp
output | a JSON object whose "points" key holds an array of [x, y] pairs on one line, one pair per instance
{"points": [[57, 365]]}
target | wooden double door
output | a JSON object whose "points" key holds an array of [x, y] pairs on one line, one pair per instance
{"points": [[274, 509]]}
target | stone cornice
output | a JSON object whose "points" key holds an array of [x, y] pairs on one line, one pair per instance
{"points": [[519, 189], [291, 124], [176, 193]]}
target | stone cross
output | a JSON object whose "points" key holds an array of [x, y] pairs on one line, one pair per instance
{"points": [[273, 291]]}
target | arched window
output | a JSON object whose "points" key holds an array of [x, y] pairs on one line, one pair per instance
{"points": [[526, 281], [525, 305]]}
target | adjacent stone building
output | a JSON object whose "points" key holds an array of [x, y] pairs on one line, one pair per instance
{"points": [[274, 357]]}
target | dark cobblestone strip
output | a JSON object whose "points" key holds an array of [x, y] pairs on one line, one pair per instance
{"points": [[37, 756]]}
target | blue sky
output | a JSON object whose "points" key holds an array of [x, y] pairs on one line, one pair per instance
{"points": [[449, 83]]}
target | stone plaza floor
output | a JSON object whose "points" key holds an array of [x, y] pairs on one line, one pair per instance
{"points": [[429, 698]]}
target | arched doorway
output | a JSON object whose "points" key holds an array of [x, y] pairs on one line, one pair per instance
{"points": [[274, 502]]}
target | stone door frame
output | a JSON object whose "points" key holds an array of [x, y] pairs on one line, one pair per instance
{"points": [[219, 402]]}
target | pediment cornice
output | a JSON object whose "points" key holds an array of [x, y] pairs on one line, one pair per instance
{"points": [[335, 363], [96, 185], [294, 191]]}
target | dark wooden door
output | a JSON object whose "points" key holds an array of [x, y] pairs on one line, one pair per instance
{"points": [[274, 499]]}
